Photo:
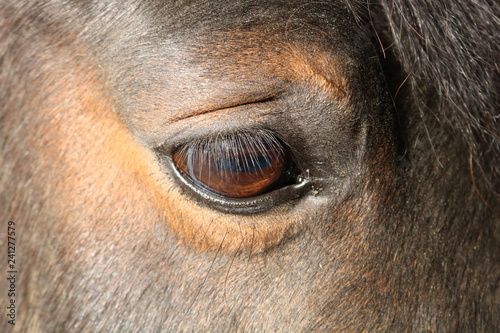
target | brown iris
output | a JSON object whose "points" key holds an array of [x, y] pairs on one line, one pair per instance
{"points": [[237, 165]]}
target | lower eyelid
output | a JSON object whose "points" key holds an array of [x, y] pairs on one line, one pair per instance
{"points": [[207, 229], [241, 206]]}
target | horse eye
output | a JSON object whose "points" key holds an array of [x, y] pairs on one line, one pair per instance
{"points": [[237, 165]]}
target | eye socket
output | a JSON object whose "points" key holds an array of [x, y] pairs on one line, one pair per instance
{"points": [[239, 165]]}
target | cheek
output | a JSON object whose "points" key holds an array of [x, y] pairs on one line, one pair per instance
{"points": [[205, 229], [95, 177]]}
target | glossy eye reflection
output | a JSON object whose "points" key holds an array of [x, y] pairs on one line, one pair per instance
{"points": [[239, 165]]}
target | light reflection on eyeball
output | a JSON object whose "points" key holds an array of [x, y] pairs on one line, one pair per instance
{"points": [[238, 165]]}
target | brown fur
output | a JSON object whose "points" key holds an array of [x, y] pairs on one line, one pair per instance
{"points": [[391, 234]]}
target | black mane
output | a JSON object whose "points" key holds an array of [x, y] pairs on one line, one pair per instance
{"points": [[448, 53]]}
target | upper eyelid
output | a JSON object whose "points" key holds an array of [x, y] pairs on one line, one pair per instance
{"points": [[208, 135], [219, 124]]}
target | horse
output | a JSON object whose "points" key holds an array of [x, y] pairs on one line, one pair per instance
{"points": [[249, 166]]}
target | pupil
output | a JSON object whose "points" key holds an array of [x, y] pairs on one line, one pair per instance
{"points": [[246, 164]]}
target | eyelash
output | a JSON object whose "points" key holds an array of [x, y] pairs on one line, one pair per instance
{"points": [[237, 165]]}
